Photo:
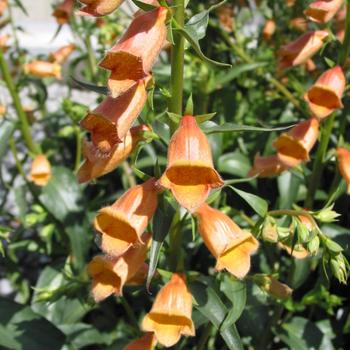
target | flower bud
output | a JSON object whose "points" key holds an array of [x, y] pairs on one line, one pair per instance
{"points": [[61, 55], [190, 173], [270, 231], [339, 269], [147, 342], [122, 223], [43, 69], [132, 58], [40, 172], [171, 313], [325, 95], [98, 8], [97, 165], [111, 120], [231, 246], [269, 29], [110, 274], [302, 49], [313, 245], [297, 142], [343, 156], [272, 286], [323, 11]]}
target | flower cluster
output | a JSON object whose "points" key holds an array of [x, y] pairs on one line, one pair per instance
{"points": [[323, 98]]}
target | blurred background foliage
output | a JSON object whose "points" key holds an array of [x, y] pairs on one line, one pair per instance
{"points": [[46, 234]]}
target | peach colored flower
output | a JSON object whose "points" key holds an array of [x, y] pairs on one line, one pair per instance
{"points": [[43, 69], [110, 274], [63, 11], [3, 6], [132, 58], [300, 50], [190, 173], [61, 55], [297, 142], [325, 95], [231, 246], [323, 11], [110, 121], [267, 166], [269, 29], [171, 313], [147, 342], [343, 156], [122, 223], [40, 172], [299, 24], [98, 8], [96, 165]]}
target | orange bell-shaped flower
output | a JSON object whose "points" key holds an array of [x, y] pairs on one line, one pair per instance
{"points": [[267, 166], [147, 342], [63, 11], [300, 50], [110, 121], [297, 143], [122, 223], [299, 24], [40, 172], [132, 58], [98, 8], [325, 95], [3, 6], [61, 55], [96, 165], [171, 313], [323, 11], [269, 29], [231, 246], [109, 275], [190, 173], [43, 69], [343, 156]]}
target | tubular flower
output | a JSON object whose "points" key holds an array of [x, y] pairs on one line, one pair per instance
{"points": [[297, 142], [132, 58], [273, 286], [3, 42], [170, 316], [147, 342], [61, 54], [231, 246], [298, 251], [190, 173], [343, 156], [122, 223], [300, 50], [268, 166], [110, 274], [98, 8], [63, 11], [43, 69], [40, 172], [299, 24], [325, 95], [96, 166], [112, 119], [269, 29], [3, 6], [323, 11]]}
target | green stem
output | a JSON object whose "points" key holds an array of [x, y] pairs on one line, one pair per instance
{"points": [[204, 336], [91, 57], [24, 124], [78, 140], [177, 64], [17, 161], [130, 313], [345, 50], [318, 166]]}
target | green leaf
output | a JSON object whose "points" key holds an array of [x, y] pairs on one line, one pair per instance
{"points": [[191, 37], [161, 225], [20, 5], [222, 79], [259, 205], [103, 90], [237, 293], [209, 304], [229, 127], [140, 174], [21, 328], [189, 106], [174, 117], [6, 130], [201, 118], [143, 6], [62, 195]]}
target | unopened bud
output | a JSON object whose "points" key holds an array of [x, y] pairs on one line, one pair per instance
{"points": [[272, 286], [313, 245], [270, 231]]}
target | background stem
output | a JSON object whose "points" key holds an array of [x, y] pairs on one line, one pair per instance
{"points": [[177, 65]]}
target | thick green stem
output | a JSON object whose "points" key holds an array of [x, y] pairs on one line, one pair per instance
{"points": [[24, 124], [318, 166], [177, 64], [78, 140], [201, 345], [345, 51]]}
